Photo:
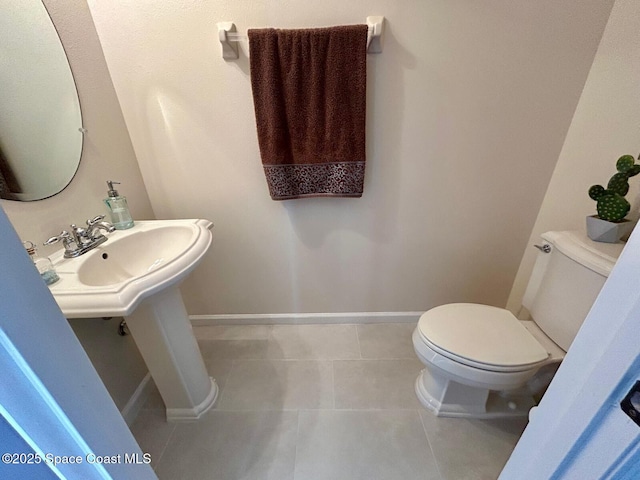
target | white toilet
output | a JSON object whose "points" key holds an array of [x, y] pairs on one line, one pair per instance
{"points": [[482, 362]]}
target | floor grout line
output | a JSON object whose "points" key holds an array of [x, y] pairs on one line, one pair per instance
{"points": [[166, 444], [433, 453], [333, 382], [295, 451], [358, 339], [222, 390]]}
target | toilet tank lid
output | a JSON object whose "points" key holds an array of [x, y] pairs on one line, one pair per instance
{"points": [[597, 256]]}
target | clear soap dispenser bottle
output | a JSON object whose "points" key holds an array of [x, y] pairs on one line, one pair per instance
{"points": [[118, 208], [43, 264]]}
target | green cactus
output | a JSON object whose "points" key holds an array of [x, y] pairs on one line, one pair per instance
{"points": [[619, 184], [613, 207], [624, 163], [596, 191], [611, 204], [633, 171]]}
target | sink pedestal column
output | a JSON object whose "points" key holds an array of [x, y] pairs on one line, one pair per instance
{"points": [[162, 331]]}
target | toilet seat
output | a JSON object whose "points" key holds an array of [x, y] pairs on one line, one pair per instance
{"points": [[480, 336], [483, 378]]}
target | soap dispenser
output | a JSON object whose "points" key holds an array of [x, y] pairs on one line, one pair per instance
{"points": [[118, 208], [43, 264]]}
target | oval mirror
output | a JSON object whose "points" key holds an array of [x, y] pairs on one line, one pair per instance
{"points": [[40, 120]]}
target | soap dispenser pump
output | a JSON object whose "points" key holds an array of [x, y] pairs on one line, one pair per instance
{"points": [[118, 208]]}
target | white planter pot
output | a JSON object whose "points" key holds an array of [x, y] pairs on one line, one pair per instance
{"points": [[600, 230]]}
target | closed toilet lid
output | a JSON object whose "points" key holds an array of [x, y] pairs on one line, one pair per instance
{"points": [[483, 335]]}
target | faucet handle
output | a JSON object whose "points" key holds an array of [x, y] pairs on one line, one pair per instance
{"points": [[51, 241], [95, 225], [64, 235], [92, 221]]}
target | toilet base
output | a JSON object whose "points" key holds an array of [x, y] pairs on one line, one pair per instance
{"points": [[446, 398]]}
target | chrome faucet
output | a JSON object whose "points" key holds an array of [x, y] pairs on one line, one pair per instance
{"points": [[81, 239]]}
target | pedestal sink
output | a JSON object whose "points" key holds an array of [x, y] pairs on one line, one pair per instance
{"points": [[135, 274]]}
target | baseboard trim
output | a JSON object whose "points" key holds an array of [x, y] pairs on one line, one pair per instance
{"points": [[304, 318], [194, 413], [132, 408]]}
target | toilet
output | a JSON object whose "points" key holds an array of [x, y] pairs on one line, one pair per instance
{"points": [[483, 362]]}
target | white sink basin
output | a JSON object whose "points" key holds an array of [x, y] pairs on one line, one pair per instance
{"points": [[132, 264], [135, 274], [135, 255]]}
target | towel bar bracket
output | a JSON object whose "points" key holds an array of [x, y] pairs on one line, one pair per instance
{"points": [[375, 35], [229, 38], [229, 47]]}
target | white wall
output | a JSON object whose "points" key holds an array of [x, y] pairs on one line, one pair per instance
{"points": [[604, 127], [107, 154], [468, 107], [115, 358]]}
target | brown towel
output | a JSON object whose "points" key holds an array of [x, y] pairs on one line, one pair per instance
{"points": [[309, 94]]}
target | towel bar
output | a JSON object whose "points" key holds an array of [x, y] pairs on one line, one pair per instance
{"points": [[229, 38]]}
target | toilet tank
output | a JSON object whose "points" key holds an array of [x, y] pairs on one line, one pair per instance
{"points": [[566, 281]]}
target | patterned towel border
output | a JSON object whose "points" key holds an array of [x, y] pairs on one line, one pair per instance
{"points": [[339, 179]]}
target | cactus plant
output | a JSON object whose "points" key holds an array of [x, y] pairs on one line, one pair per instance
{"points": [[611, 204]]}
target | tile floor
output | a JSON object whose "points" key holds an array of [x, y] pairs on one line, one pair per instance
{"points": [[312, 402]]}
